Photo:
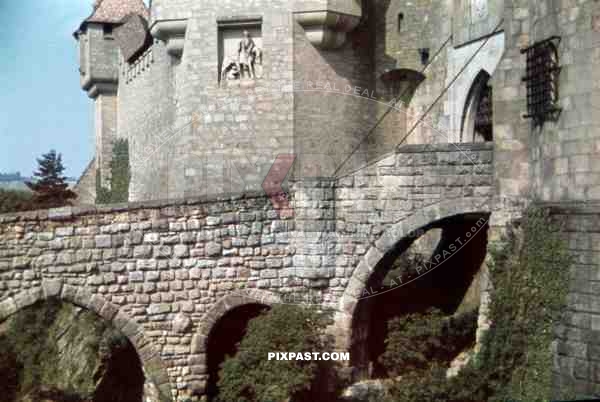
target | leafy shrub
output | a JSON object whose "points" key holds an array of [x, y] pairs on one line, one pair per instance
{"points": [[530, 275], [15, 200], [419, 349], [250, 377], [417, 340]]}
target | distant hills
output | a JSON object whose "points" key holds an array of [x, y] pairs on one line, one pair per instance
{"points": [[14, 181]]}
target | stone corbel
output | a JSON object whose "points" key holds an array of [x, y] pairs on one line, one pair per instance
{"points": [[172, 32], [326, 27], [95, 87], [102, 88]]}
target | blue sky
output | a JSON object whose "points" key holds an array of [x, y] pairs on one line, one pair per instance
{"points": [[41, 104]]}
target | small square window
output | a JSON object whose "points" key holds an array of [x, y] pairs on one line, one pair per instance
{"points": [[107, 31]]}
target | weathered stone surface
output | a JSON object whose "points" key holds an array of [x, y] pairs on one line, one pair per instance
{"points": [[51, 287], [181, 323]]}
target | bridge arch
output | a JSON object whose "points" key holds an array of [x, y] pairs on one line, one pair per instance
{"points": [[228, 303], [226, 322], [151, 362], [410, 227]]}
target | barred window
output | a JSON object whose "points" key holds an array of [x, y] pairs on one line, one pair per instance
{"points": [[542, 80]]}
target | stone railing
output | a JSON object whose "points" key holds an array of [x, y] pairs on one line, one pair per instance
{"points": [[130, 71]]}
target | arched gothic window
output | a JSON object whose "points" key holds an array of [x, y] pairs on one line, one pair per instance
{"points": [[477, 123]]}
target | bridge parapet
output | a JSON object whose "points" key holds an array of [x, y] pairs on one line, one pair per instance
{"points": [[415, 177]]}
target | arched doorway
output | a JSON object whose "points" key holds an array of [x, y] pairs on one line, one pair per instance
{"points": [[430, 279], [53, 350], [477, 120], [224, 338]]}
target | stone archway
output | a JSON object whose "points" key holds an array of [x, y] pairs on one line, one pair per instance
{"points": [[386, 243], [201, 340], [157, 378], [470, 59]]}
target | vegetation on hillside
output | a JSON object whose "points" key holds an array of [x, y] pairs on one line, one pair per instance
{"points": [[530, 273], [53, 351]]}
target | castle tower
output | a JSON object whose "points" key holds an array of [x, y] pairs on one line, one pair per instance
{"points": [[99, 71]]}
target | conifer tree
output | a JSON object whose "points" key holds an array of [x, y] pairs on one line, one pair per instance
{"points": [[50, 187]]}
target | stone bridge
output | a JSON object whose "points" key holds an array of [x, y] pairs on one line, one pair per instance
{"points": [[164, 273]]}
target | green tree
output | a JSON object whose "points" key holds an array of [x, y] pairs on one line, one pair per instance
{"points": [[50, 187], [250, 377]]}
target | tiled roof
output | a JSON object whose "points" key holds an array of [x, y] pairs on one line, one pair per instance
{"points": [[133, 36], [113, 11]]}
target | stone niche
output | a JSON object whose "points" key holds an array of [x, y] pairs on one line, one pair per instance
{"points": [[240, 50]]}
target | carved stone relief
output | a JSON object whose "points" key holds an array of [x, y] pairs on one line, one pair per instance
{"points": [[240, 53]]}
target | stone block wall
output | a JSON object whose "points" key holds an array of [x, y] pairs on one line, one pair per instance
{"points": [[86, 185], [243, 123], [415, 177], [577, 346], [100, 57], [158, 265], [146, 113], [105, 122], [554, 162], [334, 104], [564, 159]]}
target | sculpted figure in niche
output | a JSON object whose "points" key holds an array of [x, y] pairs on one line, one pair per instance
{"points": [[247, 56], [243, 64]]}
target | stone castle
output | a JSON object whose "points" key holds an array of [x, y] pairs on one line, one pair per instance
{"points": [[387, 119]]}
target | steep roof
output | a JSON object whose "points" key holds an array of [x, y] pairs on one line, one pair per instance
{"points": [[113, 11]]}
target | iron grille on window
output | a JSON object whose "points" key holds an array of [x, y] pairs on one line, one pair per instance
{"points": [[542, 80]]}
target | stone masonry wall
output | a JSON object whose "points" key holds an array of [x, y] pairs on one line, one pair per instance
{"points": [[577, 346], [146, 111], [240, 127], [554, 162], [334, 93], [165, 272], [158, 265], [564, 153]]}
